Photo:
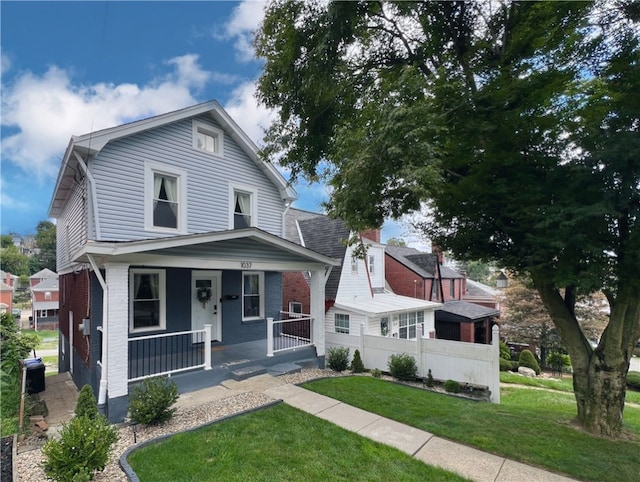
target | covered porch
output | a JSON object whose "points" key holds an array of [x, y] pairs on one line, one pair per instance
{"points": [[214, 307]]}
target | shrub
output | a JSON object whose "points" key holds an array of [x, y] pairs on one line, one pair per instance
{"points": [[505, 353], [528, 360], [338, 358], [151, 401], [633, 381], [376, 373], [506, 365], [357, 366], [558, 360], [86, 405], [429, 378], [402, 367], [83, 448], [452, 386]]}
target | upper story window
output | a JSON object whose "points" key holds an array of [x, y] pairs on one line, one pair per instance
{"points": [[354, 265], [165, 198], [452, 289], [47, 295], [243, 207], [372, 264], [207, 138], [147, 300]]}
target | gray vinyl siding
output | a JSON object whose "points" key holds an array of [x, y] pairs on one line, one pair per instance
{"points": [[72, 226], [119, 173]]}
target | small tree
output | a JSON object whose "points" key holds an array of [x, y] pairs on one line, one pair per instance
{"points": [[86, 405], [357, 366]]}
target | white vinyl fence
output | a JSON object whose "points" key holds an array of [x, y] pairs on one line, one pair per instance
{"points": [[472, 363]]}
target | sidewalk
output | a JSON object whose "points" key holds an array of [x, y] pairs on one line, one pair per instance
{"points": [[461, 459]]}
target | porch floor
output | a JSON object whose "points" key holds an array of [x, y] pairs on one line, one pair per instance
{"points": [[227, 358]]}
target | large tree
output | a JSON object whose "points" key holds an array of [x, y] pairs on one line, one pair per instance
{"points": [[46, 243], [516, 121]]}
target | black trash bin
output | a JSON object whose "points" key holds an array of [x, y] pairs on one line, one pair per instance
{"points": [[35, 375]]}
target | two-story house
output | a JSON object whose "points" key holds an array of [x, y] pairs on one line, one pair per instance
{"points": [[169, 240], [355, 294], [45, 298], [423, 275]]}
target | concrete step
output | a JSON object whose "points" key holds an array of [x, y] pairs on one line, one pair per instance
{"points": [[248, 372], [283, 369]]}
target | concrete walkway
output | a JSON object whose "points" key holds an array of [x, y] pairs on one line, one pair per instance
{"points": [[461, 459]]}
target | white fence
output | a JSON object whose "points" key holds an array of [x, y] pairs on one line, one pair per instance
{"points": [[472, 363]]}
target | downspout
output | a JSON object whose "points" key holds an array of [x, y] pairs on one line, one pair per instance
{"points": [[102, 393], [284, 219], [93, 197]]}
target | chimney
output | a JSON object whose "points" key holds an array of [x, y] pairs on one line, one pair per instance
{"points": [[436, 250], [372, 234]]}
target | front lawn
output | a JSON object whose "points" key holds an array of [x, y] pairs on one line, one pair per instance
{"points": [[531, 426], [277, 443]]}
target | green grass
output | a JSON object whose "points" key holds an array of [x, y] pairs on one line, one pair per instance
{"points": [[531, 426], [48, 339], [277, 443], [564, 385]]}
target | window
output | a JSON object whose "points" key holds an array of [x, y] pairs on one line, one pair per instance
{"points": [[342, 323], [252, 298], [354, 265], [410, 324], [372, 264], [147, 300], [295, 309], [207, 138], [47, 295], [244, 207], [435, 290], [452, 289], [165, 198], [384, 326]]}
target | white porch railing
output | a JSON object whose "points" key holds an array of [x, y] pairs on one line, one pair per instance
{"points": [[167, 353], [293, 331]]}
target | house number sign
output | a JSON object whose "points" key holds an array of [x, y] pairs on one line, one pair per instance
{"points": [[245, 264]]}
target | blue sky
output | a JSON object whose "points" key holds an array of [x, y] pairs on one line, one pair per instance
{"points": [[72, 67]]}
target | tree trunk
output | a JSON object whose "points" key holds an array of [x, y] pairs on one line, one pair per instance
{"points": [[600, 390], [599, 375]]}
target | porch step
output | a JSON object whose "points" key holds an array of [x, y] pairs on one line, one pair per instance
{"points": [[308, 363], [283, 369], [248, 372]]}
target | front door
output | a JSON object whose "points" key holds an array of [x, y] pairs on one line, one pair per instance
{"points": [[205, 303]]}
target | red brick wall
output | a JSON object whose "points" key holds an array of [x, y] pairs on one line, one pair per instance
{"points": [[6, 297], [401, 280], [40, 296], [74, 297], [295, 288], [467, 332]]}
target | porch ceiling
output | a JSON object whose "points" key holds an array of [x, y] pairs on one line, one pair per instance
{"points": [[248, 249]]}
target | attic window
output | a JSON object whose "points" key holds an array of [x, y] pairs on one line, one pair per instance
{"points": [[207, 138]]}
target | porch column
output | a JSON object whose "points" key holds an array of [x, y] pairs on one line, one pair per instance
{"points": [[117, 333], [316, 287]]}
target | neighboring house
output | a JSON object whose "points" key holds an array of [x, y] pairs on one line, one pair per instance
{"points": [[422, 275], [45, 303], [6, 292], [169, 237], [481, 294], [355, 293], [40, 276]]}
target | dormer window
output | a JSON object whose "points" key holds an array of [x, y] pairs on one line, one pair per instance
{"points": [[207, 138]]}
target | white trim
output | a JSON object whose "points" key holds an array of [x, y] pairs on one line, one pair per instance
{"points": [[253, 195], [209, 130], [261, 293], [150, 170], [162, 294]]}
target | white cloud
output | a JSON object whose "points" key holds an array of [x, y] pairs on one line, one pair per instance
{"points": [[251, 116], [242, 26], [43, 112]]}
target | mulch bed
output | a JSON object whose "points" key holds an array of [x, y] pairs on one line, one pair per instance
{"points": [[6, 460]]}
